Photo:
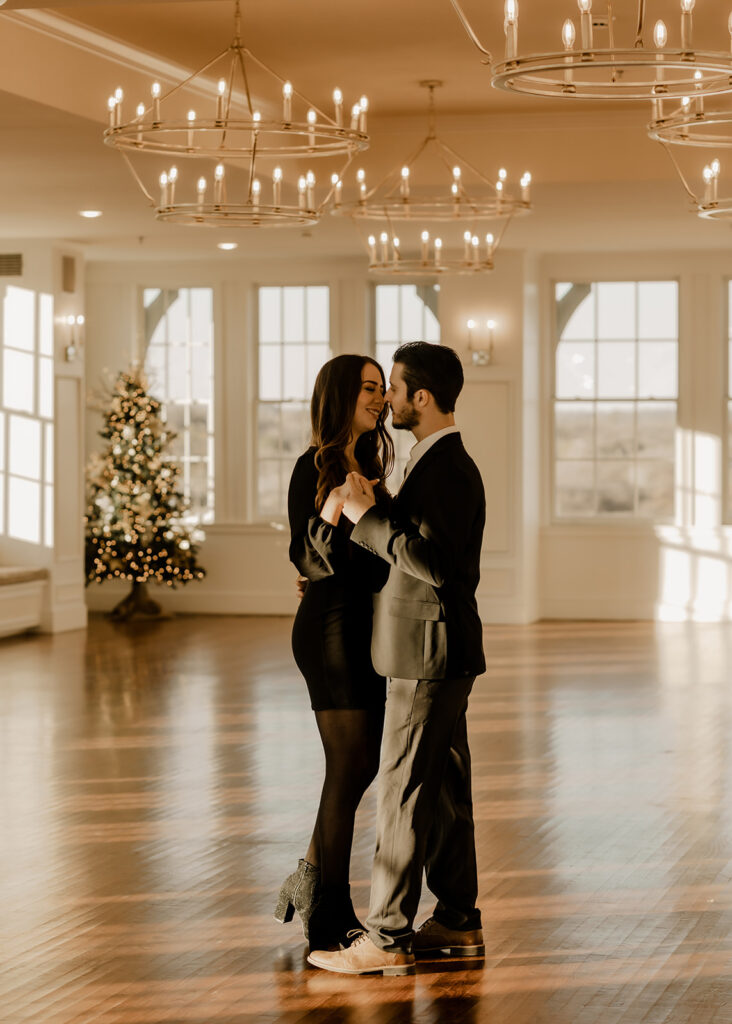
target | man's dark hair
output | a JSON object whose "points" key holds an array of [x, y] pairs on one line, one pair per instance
{"points": [[436, 368]]}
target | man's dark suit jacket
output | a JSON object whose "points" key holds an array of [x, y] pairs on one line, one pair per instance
{"points": [[426, 622]]}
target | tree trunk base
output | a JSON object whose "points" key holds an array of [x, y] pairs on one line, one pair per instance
{"points": [[137, 605]]}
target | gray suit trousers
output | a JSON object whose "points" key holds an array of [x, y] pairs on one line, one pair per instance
{"points": [[424, 818]]}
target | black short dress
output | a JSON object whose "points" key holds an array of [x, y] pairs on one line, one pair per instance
{"points": [[331, 636]]}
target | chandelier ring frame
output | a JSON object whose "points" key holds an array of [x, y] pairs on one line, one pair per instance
{"points": [[150, 137], [227, 215], [558, 74], [465, 210], [713, 129], [414, 268], [720, 210]]}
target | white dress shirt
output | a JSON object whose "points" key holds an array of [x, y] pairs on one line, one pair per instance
{"points": [[418, 450]]}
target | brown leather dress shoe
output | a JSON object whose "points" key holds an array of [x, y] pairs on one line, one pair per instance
{"points": [[433, 937], [363, 957]]}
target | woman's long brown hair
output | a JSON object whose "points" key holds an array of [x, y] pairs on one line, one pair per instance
{"points": [[332, 409]]}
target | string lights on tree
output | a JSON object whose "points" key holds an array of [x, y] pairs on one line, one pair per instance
{"points": [[135, 525]]}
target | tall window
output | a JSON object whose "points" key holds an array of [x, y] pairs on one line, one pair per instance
{"points": [[178, 335], [26, 417], [294, 342], [404, 312], [615, 398]]}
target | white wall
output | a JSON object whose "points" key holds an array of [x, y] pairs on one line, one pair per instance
{"points": [[246, 562], [532, 565], [629, 570]]}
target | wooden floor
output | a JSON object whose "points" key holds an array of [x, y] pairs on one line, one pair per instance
{"points": [[157, 782]]}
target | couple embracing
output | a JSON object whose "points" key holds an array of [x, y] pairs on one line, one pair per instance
{"points": [[389, 641]]}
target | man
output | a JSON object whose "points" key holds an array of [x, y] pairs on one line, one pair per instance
{"points": [[427, 639]]}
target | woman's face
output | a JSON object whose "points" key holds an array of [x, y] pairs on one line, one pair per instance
{"points": [[370, 403]]}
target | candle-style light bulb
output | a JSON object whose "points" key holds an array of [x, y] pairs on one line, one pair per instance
{"points": [[568, 34], [277, 186], [372, 249], [467, 238], [510, 27], [475, 242], [708, 176], [363, 106], [312, 118], [716, 167], [301, 189], [698, 81], [112, 108], [660, 34], [355, 114], [220, 100], [156, 100], [256, 191], [172, 179], [140, 109], [287, 102], [525, 185], [310, 183], [395, 243], [585, 8], [384, 239], [218, 184], [687, 6], [163, 189], [191, 121], [404, 187], [438, 251], [118, 97], [338, 101], [425, 245], [201, 188]]}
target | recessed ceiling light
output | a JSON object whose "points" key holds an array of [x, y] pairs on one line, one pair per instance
{"points": [[90, 214], [228, 245]]}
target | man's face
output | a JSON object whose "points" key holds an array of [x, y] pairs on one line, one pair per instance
{"points": [[404, 416]]}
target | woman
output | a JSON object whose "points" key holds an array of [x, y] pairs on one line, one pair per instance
{"points": [[331, 636]]}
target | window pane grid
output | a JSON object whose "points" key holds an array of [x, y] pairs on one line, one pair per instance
{"points": [[404, 312], [615, 392], [26, 414], [179, 365], [294, 342]]}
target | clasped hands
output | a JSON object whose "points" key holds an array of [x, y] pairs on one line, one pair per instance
{"points": [[353, 498]]}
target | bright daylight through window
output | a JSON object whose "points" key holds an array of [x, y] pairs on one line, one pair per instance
{"points": [[294, 342], [178, 337], [26, 416], [404, 312], [615, 398]]}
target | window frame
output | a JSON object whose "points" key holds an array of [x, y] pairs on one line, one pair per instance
{"points": [[278, 522], [630, 520], [213, 454]]}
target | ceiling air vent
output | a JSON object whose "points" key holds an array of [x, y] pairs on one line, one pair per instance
{"points": [[11, 264]]}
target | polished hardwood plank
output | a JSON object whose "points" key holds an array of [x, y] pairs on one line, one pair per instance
{"points": [[157, 781]]}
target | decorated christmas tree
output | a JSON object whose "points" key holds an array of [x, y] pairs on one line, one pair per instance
{"points": [[135, 525]]}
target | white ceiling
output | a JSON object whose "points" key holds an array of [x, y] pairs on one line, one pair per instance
{"points": [[599, 182]]}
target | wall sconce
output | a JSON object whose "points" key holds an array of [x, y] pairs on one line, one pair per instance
{"points": [[75, 323], [480, 341]]}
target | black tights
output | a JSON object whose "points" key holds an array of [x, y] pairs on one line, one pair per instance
{"points": [[352, 743]]}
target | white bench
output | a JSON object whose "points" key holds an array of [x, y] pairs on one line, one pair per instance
{"points": [[21, 598]]}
